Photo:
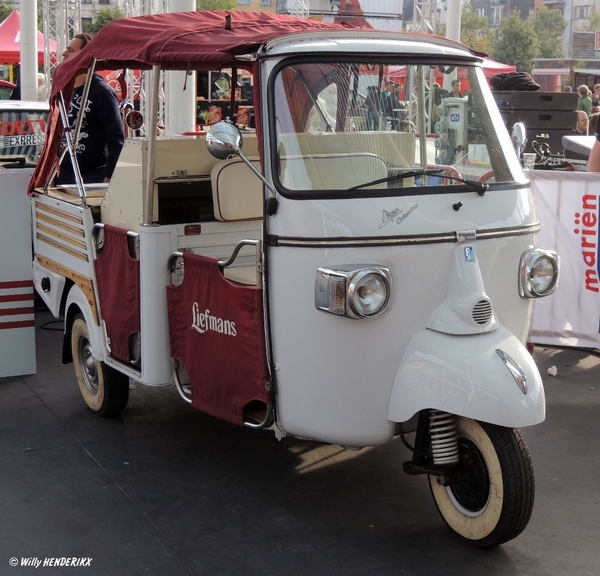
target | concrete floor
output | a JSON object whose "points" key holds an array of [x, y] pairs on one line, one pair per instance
{"points": [[164, 490]]}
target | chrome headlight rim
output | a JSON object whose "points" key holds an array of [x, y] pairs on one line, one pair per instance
{"points": [[353, 289], [529, 261]]}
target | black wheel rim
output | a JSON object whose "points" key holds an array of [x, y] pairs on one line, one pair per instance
{"points": [[472, 491]]}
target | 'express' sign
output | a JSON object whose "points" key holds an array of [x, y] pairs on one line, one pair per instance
{"points": [[22, 134]]}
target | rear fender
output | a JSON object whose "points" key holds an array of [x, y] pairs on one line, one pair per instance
{"points": [[75, 304], [465, 375], [50, 286]]}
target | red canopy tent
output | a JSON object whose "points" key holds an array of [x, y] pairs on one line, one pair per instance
{"points": [[491, 67], [10, 41]]}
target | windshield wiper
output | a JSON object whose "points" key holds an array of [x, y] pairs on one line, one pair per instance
{"points": [[480, 187]]}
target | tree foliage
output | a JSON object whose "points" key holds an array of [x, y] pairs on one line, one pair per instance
{"points": [[516, 42], [593, 23], [475, 30], [102, 18], [549, 25], [6, 8], [216, 4]]}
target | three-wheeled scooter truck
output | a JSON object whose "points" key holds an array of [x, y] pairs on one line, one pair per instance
{"points": [[337, 274]]}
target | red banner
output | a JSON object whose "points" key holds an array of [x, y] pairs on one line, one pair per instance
{"points": [[217, 330], [118, 278]]}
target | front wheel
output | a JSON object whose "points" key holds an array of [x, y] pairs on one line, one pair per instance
{"points": [[104, 389], [491, 500]]}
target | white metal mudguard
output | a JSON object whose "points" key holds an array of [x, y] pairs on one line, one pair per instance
{"points": [[466, 376], [96, 333]]}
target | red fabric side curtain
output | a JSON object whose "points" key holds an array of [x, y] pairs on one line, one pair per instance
{"points": [[216, 329], [118, 279]]}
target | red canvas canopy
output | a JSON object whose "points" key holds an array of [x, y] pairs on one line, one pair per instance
{"points": [[204, 40], [10, 41]]}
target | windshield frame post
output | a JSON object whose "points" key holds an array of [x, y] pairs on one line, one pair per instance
{"points": [[422, 120]]}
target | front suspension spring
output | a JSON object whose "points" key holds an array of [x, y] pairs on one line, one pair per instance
{"points": [[444, 440]]}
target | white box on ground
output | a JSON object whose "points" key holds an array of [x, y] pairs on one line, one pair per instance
{"points": [[17, 329]]}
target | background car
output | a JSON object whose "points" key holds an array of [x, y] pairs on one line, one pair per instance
{"points": [[22, 130]]}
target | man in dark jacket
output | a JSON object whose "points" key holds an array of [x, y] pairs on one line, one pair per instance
{"points": [[101, 136]]}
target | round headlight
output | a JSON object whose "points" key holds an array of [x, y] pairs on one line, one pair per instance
{"points": [[368, 293], [538, 275], [542, 275]]}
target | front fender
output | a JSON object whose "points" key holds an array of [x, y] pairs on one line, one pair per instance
{"points": [[464, 375]]}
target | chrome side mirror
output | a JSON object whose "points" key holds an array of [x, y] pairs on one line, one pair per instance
{"points": [[519, 137], [224, 140]]}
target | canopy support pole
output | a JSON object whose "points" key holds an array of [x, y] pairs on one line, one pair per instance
{"points": [[71, 139], [72, 135], [151, 135]]}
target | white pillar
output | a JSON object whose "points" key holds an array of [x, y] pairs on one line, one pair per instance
{"points": [[452, 32], [29, 56], [181, 104], [453, 19], [567, 39]]}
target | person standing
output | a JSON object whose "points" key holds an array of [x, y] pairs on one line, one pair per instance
{"points": [[585, 102], [386, 99], [372, 103], [596, 99], [582, 123], [101, 136], [593, 164], [455, 93], [41, 87]]}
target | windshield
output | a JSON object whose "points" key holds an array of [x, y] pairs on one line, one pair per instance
{"points": [[372, 126]]}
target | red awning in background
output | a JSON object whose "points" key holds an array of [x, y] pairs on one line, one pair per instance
{"points": [[10, 41], [491, 67]]}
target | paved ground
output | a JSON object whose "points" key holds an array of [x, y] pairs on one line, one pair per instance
{"points": [[164, 490]]}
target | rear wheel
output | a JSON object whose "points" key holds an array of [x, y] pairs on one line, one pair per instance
{"points": [[492, 499], [104, 389]]}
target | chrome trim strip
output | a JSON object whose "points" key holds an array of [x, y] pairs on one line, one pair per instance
{"points": [[515, 370], [401, 240]]}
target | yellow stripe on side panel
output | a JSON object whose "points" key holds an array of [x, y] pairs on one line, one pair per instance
{"points": [[57, 212], [60, 246], [64, 237], [86, 284], [71, 229]]}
